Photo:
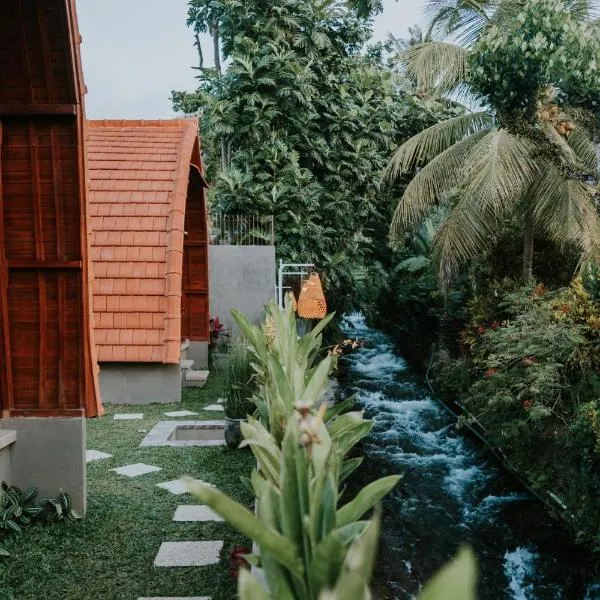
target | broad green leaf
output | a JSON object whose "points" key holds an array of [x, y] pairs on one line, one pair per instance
{"points": [[329, 554], [456, 581], [353, 582], [244, 521], [294, 490], [340, 408], [365, 500], [249, 588], [315, 387], [349, 466]]}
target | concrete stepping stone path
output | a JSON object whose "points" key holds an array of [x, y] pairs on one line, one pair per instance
{"points": [[180, 413], [128, 417], [177, 486], [195, 512], [92, 455], [135, 470], [188, 554], [214, 407]]}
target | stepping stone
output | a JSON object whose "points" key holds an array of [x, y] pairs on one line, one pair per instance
{"points": [[136, 469], [128, 417], [220, 400], [177, 486], [195, 512], [91, 455], [215, 407], [188, 554], [180, 413], [173, 598]]}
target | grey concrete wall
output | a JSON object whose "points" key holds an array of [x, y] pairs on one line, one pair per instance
{"points": [[49, 454], [241, 277], [198, 352], [137, 383]]}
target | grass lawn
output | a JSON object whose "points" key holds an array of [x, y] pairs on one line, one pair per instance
{"points": [[110, 554]]}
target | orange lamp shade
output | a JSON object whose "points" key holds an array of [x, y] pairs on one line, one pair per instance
{"points": [[311, 303]]}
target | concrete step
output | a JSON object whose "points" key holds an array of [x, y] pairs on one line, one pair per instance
{"points": [[195, 378], [184, 349], [186, 364]]}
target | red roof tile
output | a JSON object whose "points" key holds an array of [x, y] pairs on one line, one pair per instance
{"points": [[138, 180]]}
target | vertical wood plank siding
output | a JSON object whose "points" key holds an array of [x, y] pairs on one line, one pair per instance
{"points": [[195, 309], [46, 359]]}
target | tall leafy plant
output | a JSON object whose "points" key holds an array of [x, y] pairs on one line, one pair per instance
{"points": [[314, 543]]}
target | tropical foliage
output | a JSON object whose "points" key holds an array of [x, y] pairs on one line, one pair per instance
{"points": [[527, 154], [21, 509], [530, 378], [300, 125], [313, 542], [519, 166]]}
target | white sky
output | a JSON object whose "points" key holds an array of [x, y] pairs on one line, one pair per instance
{"points": [[136, 51]]}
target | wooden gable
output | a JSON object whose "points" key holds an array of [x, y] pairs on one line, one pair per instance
{"points": [[47, 367]]}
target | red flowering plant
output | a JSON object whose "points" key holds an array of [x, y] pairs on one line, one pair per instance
{"points": [[237, 560], [217, 332], [520, 365]]}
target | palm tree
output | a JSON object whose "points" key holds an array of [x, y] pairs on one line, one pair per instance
{"points": [[499, 173]]}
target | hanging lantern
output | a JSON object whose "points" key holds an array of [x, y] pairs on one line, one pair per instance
{"points": [[311, 303]]}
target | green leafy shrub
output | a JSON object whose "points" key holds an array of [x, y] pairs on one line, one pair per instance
{"points": [[239, 381], [529, 376], [19, 510]]}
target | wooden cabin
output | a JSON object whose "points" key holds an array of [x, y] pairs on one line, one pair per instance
{"points": [[47, 364], [149, 254]]}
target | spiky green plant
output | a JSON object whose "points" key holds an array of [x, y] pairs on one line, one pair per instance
{"points": [[239, 381]]}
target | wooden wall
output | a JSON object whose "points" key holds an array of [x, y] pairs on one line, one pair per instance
{"points": [[194, 296], [46, 361]]}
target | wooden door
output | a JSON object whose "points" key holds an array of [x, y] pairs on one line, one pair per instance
{"points": [[194, 297]]}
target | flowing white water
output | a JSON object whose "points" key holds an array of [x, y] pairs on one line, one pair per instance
{"points": [[450, 494], [519, 567]]}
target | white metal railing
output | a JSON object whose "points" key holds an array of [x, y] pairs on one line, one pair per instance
{"points": [[241, 230]]}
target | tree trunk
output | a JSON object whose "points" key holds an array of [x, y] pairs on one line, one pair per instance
{"points": [[200, 55], [216, 45], [528, 239], [224, 162]]}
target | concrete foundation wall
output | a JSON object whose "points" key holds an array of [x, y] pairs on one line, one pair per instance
{"points": [[198, 352], [136, 383], [241, 277], [49, 454]]}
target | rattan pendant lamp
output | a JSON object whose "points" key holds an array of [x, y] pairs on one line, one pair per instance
{"points": [[311, 302]]}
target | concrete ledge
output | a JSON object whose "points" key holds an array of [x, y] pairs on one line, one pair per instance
{"points": [[161, 433], [7, 437], [49, 453]]}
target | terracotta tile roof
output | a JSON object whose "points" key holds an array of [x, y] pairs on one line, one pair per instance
{"points": [[138, 181]]}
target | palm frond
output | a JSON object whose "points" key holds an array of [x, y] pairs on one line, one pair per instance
{"points": [[463, 20], [585, 150], [499, 170], [426, 145], [464, 235], [437, 67], [565, 211], [429, 185]]}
